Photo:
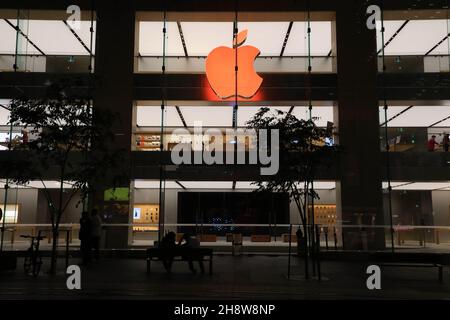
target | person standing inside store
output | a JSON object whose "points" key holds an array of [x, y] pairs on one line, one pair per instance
{"points": [[432, 143], [300, 242], [446, 142], [85, 237], [96, 232]]}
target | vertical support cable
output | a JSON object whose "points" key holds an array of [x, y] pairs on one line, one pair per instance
{"points": [[162, 182], [91, 31], [15, 66], [388, 170], [91, 85], [236, 92], [313, 237], [9, 144], [236, 68], [6, 193]]}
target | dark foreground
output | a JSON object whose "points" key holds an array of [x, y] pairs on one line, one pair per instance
{"points": [[245, 277]]}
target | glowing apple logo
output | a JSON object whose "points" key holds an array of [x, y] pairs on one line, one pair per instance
{"points": [[220, 69]]}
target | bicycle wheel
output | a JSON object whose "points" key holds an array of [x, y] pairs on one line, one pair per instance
{"points": [[27, 261]]}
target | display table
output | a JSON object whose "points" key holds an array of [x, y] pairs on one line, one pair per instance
{"points": [[207, 238], [260, 238], [286, 237]]}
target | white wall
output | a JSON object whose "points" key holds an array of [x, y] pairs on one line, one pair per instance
{"points": [[441, 212], [33, 207], [441, 207], [27, 200]]}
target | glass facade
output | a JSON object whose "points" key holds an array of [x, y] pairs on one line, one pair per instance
{"points": [[37, 41], [171, 97]]}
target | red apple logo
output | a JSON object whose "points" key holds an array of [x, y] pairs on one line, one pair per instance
{"points": [[220, 69]]}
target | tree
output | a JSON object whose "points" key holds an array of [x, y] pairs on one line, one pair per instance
{"points": [[302, 150], [68, 139]]}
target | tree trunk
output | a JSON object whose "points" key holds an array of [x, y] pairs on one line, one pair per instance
{"points": [[305, 250], [54, 256], [55, 229]]}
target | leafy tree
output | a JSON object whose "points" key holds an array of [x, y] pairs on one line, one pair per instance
{"points": [[302, 151], [68, 139]]}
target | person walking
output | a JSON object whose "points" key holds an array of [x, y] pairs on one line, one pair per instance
{"points": [[96, 232], [432, 144], [85, 237]]}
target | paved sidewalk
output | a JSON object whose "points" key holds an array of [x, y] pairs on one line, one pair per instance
{"points": [[245, 277]]}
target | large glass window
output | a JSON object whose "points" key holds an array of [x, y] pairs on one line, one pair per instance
{"points": [[34, 41], [416, 45], [283, 45], [410, 128], [147, 135]]}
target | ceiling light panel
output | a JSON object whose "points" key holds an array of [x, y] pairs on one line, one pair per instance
{"points": [[151, 39], [207, 184], [54, 38], [202, 37], [85, 34], [209, 116], [154, 184], [424, 186], [150, 116], [420, 116], [418, 37], [246, 113], [394, 184], [297, 44], [268, 37], [391, 111], [8, 38], [4, 116], [390, 28], [323, 114]]}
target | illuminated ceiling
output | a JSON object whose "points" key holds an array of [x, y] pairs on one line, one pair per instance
{"points": [[219, 116], [242, 185], [318, 185], [53, 37], [416, 116], [417, 37], [202, 37]]}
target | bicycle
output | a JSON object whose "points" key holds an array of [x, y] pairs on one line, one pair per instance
{"points": [[33, 260]]}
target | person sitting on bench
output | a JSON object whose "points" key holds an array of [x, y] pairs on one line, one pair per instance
{"points": [[191, 243], [167, 246]]}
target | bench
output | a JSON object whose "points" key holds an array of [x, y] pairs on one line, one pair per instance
{"points": [[409, 260], [180, 254]]}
